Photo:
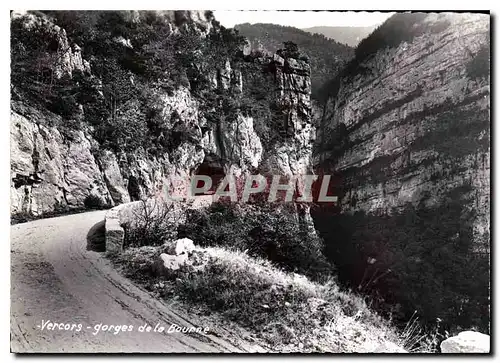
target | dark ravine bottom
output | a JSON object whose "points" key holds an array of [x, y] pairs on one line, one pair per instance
{"points": [[413, 262]]}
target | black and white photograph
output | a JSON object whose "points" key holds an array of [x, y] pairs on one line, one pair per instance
{"points": [[250, 181]]}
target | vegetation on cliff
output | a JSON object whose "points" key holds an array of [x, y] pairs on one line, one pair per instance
{"points": [[261, 269], [401, 27], [131, 62], [416, 259], [269, 231], [134, 59], [414, 170], [326, 56]]}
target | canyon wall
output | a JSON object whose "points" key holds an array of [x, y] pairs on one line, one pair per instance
{"points": [[292, 155], [56, 168], [406, 132], [412, 122]]}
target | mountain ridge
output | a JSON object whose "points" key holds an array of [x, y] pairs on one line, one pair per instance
{"points": [[326, 56], [349, 35]]}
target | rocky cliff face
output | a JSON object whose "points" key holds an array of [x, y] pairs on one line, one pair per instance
{"points": [[292, 156], [412, 123], [406, 131], [53, 168], [68, 57]]}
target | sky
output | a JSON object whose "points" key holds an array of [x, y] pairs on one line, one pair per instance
{"points": [[301, 19]]}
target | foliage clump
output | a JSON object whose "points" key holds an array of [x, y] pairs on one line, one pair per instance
{"points": [[415, 259], [131, 62], [271, 232]]}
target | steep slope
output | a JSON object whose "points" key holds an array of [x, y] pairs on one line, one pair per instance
{"points": [[326, 56], [406, 128], [350, 35]]}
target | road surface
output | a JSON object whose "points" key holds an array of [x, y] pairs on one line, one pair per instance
{"points": [[54, 277]]}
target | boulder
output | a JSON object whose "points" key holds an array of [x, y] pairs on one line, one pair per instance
{"points": [[179, 247], [467, 342], [168, 263]]}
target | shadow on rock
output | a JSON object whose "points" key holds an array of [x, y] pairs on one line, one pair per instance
{"points": [[96, 238]]}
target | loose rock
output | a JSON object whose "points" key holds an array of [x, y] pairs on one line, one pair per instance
{"points": [[467, 342], [179, 247], [168, 263]]}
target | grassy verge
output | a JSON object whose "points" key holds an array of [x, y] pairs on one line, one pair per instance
{"points": [[272, 232], [285, 311]]}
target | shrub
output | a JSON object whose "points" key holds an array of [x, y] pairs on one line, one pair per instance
{"points": [[94, 202], [137, 262], [418, 258], [415, 339], [291, 50], [127, 130], [154, 224], [272, 232]]}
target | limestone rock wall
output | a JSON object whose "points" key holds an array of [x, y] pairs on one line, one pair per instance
{"points": [[49, 170], [293, 155], [412, 123], [69, 56], [54, 168]]}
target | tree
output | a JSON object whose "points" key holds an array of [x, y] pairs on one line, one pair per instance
{"points": [[126, 131], [291, 50]]}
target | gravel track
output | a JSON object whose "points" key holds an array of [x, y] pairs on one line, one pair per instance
{"points": [[54, 277]]}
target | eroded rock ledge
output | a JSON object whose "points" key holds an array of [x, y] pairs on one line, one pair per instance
{"points": [[411, 123], [55, 167]]}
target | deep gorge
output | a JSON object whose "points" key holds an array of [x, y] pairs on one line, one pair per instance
{"points": [[108, 108], [407, 129]]}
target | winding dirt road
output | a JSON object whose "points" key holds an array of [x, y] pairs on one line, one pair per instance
{"points": [[54, 277]]}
